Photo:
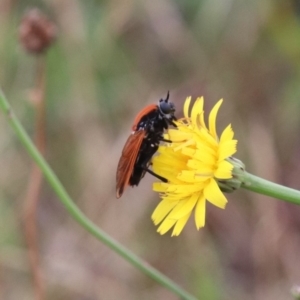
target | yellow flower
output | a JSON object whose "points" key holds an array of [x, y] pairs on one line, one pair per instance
{"points": [[193, 163]]}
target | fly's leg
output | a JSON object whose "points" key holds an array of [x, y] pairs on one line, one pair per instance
{"points": [[163, 179], [164, 140]]}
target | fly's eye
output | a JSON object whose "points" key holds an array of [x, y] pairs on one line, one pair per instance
{"points": [[166, 107]]}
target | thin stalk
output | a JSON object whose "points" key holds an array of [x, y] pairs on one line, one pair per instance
{"points": [[265, 187], [75, 212], [35, 180]]}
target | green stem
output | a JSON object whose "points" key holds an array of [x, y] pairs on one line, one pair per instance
{"points": [[75, 212], [265, 187]]}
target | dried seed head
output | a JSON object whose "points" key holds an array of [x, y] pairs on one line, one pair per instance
{"points": [[36, 31]]}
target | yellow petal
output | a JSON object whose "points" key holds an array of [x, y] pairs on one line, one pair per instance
{"points": [[192, 176], [201, 118], [160, 187], [167, 162], [200, 212], [224, 170], [214, 195], [166, 225], [178, 136], [202, 122], [185, 208], [197, 110], [212, 118], [227, 148], [227, 134], [180, 224], [188, 151], [162, 209], [182, 188], [186, 107], [185, 126], [185, 144], [201, 167], [204, 137], [205, 157]]}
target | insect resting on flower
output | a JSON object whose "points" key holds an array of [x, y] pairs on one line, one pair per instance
{"points": [[147, 132]]}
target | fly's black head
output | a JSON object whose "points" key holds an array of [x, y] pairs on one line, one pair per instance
{"points": [[166, 108]]}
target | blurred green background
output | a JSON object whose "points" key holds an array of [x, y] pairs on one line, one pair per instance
{"points": [[112, 58]]}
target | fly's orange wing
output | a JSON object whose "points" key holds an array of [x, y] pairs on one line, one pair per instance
{"points": [[148, 109], [127, 160]]}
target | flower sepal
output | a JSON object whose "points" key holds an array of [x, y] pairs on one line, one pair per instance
{"points": [[238, 175]]}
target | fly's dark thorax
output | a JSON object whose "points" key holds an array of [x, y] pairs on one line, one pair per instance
{"points": [[152, 122], [154, 126]]}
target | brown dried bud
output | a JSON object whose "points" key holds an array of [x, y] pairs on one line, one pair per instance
{"points": [[36, 31]]}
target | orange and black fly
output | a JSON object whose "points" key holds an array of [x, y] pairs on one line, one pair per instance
{"points": [[147, 132]]}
